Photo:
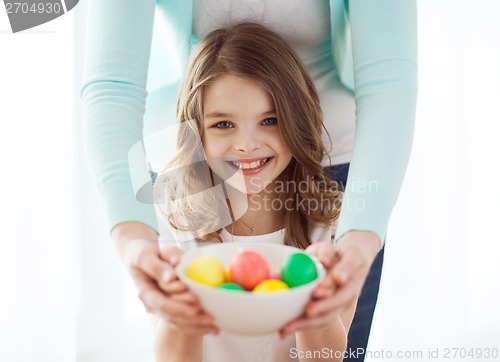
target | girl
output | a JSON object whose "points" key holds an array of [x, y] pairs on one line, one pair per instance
{"points": [[252, 105]]}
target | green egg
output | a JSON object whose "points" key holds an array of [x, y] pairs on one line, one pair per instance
{"points": [[298, 269], [232, 286]]}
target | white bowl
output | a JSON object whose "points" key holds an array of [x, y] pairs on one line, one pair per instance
{"points": [[248, 313]]}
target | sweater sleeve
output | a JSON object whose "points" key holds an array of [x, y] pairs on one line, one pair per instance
{"points": [[384, 52], [113, 97]]}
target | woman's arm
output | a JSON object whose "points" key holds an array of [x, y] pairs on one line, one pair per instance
{"points": [[113, 96], [384, 50]]}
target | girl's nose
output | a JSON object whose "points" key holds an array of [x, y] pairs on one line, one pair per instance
{"points": [[247, 142]]}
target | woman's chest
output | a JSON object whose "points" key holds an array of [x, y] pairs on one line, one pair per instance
{"points": [[300, 22]]}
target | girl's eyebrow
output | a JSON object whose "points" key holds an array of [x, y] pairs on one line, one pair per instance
{"points": [[217, 115], [268, 113], [227, 115]]}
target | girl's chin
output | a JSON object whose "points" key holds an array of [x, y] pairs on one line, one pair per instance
{"points": [[250, 185], [247, 189]]}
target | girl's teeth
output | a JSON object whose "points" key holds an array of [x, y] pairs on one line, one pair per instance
{"points": [[247, 166]]}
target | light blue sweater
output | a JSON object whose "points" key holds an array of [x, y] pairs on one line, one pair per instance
{"points": [[374, 49]]}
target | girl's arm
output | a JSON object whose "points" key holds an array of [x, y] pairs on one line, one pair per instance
{"points": [[179, 338], [328, 342], [173, 345], [322, 331]]}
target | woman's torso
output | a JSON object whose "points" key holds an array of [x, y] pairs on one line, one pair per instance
{"points": [[306, 27]]}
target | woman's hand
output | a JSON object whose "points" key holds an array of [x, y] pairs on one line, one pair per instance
{"points": [[347, 266], [153, 272], [199, 323]]}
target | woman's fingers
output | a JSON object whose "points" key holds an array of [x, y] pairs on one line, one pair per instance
{"points": [[356, 250], [160, 266], [144, 257], [155, 301], [347, 265], [321, 312], [325, 253], [187, 297], [171, 254], [350, 263], [305, 323], [325, 289], [338, 301], [348, 281], [175, 287], [200, 323], [153, 271]]}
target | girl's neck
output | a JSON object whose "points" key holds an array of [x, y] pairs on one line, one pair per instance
{"points": [[256, 224], [254, 214]]}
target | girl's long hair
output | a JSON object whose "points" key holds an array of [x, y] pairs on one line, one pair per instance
{"points": [[251, 51]]}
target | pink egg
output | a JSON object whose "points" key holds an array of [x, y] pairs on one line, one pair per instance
{"points": [[248, 269]]}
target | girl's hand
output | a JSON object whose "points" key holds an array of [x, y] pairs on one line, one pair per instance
{"points": [[347, 266]]}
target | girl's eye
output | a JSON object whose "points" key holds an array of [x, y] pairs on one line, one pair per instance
{"points": [[223, 124], [270, 121]]}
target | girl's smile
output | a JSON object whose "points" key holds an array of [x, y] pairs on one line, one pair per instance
{"points": [[242, 140], [250, 166]]}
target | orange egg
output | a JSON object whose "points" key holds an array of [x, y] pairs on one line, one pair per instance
{"points": [[227, 275]]}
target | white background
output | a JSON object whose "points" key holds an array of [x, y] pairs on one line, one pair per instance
{"points": [[65, 297]]}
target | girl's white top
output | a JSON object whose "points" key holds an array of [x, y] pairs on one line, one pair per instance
{"points": [[268, 348]]}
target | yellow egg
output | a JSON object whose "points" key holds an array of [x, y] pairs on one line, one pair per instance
{"points": [[270, 285], [206, 270]]}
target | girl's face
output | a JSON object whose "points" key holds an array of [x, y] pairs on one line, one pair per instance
{"points": [[242, 141]]}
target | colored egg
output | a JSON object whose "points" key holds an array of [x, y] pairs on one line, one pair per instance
{"points": [[276, 275], [248, 269], [206, 270], [232, 286], [298, 269], [227, 275], [270, 285]]}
